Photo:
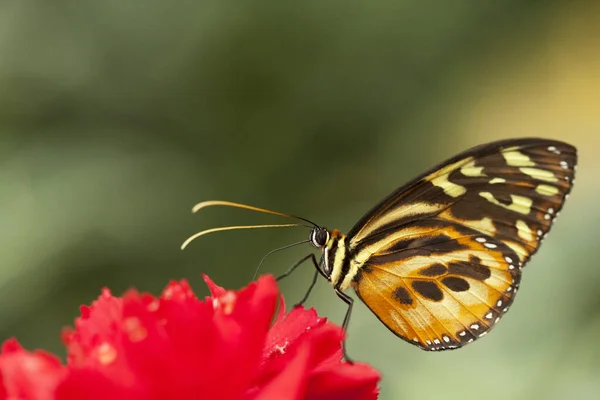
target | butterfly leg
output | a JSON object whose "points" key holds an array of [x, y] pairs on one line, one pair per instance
{"points": [[349, 301], [310, 288], [312, 257], [296, 265]]}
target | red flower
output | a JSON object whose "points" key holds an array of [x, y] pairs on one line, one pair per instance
{"points": [[28, 375], [176, 346]]}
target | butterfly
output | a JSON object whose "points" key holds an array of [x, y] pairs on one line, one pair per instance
{"points": [[439, 260]]}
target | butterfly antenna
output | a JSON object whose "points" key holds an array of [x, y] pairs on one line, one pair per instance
{"points": [[231, 228], [222, 203], [212, 203]]}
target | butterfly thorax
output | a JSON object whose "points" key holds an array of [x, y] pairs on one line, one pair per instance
{"points": [[339, 265]]}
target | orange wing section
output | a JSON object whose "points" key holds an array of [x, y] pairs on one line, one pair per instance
{"points": [[438, 299]]}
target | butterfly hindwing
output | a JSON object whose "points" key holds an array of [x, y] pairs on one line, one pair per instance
{"points": [[440, 259], [439, 286]]}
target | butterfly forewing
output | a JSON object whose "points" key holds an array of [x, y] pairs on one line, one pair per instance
{"points": [[440, 259]]}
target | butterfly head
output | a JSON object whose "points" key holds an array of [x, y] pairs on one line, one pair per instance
{"points": [[328, 241], [319, 237], [322, 238]]}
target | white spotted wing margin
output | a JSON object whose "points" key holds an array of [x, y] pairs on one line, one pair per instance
{"points": [[439, 260]]}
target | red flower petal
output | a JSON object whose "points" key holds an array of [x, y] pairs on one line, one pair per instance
{"points": [[215, 290], [179, 346], [97, 325], [327, 376], [175, 346], [91, 384], [290, 383], [288, 329], [28, 375]]}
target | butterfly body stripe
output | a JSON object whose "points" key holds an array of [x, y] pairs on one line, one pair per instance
{"points": [[337, 256], [343, 262]]}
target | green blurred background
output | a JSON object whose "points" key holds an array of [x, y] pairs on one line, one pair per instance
{"points": [[117, 118]]}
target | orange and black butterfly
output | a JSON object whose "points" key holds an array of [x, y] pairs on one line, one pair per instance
{"points": [[439, 260]]}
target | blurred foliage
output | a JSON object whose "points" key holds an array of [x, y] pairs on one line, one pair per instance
{"points": [[115, 119]]}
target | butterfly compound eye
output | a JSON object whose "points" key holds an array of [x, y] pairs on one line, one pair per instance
{"points": [[319, 237]]}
